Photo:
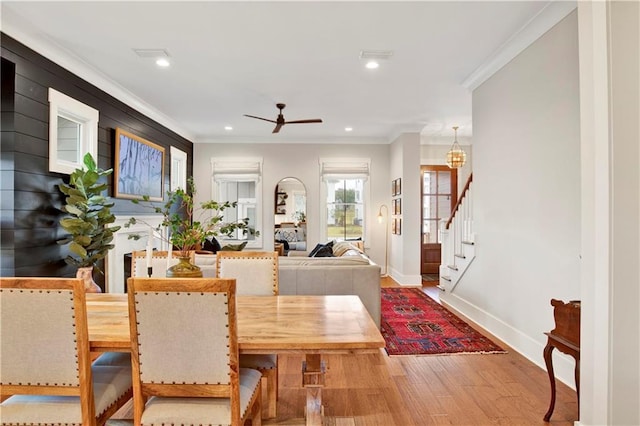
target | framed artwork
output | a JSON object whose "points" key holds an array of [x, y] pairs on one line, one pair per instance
{"points": [[139, 167], [281, 203], [396, 187], [396, 206], [396, 226]]}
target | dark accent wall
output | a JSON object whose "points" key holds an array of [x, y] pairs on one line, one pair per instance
{"points": [[29, 193]]}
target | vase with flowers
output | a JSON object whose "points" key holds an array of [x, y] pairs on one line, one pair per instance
{"points": [[188, 225]]}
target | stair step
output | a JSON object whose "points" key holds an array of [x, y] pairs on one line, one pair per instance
{"points": [[470, 243], [461, 256], [452, 267], [446, 278]]}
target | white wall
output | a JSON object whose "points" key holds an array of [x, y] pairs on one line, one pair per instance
{"points": [[301, 161], [404, 249], [527, 195]]}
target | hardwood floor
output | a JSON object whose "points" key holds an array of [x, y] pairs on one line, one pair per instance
{"points": [[375, 389]]}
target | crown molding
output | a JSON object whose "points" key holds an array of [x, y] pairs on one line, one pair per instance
{"points": [[549, 16], [21, 30]]}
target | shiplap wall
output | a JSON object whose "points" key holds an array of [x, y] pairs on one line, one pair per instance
{"points": [[30, 197]]}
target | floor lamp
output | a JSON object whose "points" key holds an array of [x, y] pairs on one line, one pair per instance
{"points": [[385, 218]]}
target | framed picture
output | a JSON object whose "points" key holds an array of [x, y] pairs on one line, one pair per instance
{"points": [[398, 186], [396, 226], [393, 188], [139, 167], [281, 203], [396, 206]]}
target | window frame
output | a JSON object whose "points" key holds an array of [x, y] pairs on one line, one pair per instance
{"points": [[239, 169], [344, 168]]}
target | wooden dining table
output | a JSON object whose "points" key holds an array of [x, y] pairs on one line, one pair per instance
{"points": [[310, 325]]}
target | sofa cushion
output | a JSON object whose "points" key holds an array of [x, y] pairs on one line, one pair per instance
{"points": [[324, 261]]}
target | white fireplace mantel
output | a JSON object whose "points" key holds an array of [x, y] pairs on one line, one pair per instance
{"points": [[123, 245]]}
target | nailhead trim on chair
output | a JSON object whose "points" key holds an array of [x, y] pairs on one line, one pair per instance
{"points": [[11, 290], [188, 294]]}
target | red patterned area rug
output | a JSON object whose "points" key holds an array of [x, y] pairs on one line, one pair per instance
{"points": [[414, 324]]}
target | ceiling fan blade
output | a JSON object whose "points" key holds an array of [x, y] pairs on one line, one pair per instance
{"points": [[312, 120], [278, 127], [260, 118]]}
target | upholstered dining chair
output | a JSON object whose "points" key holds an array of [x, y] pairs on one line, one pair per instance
{"points": [[45, 368], [184, 351], [159, 263], [256, 274]]}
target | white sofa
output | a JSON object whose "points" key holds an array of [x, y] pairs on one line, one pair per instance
{"points": [[353, 273]]}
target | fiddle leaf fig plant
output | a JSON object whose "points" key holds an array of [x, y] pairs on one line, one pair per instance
{"points": [[89, 214]]}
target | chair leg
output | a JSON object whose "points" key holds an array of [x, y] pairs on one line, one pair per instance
{"points": [[271, 376]]}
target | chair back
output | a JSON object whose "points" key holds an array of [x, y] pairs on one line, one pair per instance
{"points": [[159, 263], [44, 344], [184, 340], [256, 272]]}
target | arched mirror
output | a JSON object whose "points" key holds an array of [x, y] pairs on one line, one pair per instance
{"points": [[290, 216]]}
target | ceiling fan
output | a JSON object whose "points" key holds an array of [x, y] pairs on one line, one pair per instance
{"points": [[280, 121]]}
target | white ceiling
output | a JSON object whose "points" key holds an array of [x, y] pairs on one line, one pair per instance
{"points": [[235, 58]]}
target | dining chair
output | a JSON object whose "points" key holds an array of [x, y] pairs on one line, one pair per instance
{"points": [[184, 350], [159, 263], [256, 274], [45, 368]]}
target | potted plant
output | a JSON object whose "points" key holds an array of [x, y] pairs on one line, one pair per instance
{"points": [[188, 227], [89, 216]]}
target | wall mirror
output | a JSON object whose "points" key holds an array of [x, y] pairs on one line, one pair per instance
{"points": [[290, 200], [73, 132]]}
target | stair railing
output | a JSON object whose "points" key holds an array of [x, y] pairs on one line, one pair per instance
{"points": [[455, 233]]}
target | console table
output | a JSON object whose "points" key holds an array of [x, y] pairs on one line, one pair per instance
{"points": [[566, 337]]}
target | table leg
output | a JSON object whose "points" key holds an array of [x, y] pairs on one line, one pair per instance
{"points": [[548, 360], [313, 379]]}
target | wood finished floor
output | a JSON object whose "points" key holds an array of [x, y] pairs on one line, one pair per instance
{"points": [[375, 389]]}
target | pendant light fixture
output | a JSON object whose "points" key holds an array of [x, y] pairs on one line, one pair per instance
{"points": [[456, 157]]}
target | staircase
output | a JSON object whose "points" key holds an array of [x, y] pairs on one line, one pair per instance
{"points": [[457, 240]]}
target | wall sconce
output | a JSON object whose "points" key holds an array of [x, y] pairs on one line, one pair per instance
{"points": [[385, 218], [456, 157]]}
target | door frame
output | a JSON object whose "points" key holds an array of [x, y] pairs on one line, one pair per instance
{"points": [[454, 200]]}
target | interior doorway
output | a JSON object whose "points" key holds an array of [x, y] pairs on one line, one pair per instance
{"points": [[439, 189]]}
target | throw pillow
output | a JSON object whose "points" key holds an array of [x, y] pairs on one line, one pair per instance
{"points": [[234, 247], [324, 251], [340, 248], [319, 246], [211, 244]]}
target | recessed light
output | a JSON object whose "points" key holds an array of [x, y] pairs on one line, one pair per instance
{"points": [[228, 128], [373, 57], [348, 129], [163, 62]]}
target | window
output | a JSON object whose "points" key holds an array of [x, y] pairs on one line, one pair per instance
{"points": [[178, 169], [73, 132], [345, 193], [240, 180]]}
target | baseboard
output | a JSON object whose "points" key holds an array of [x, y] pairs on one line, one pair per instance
{"points": [[531, 349], [406, 280]]}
